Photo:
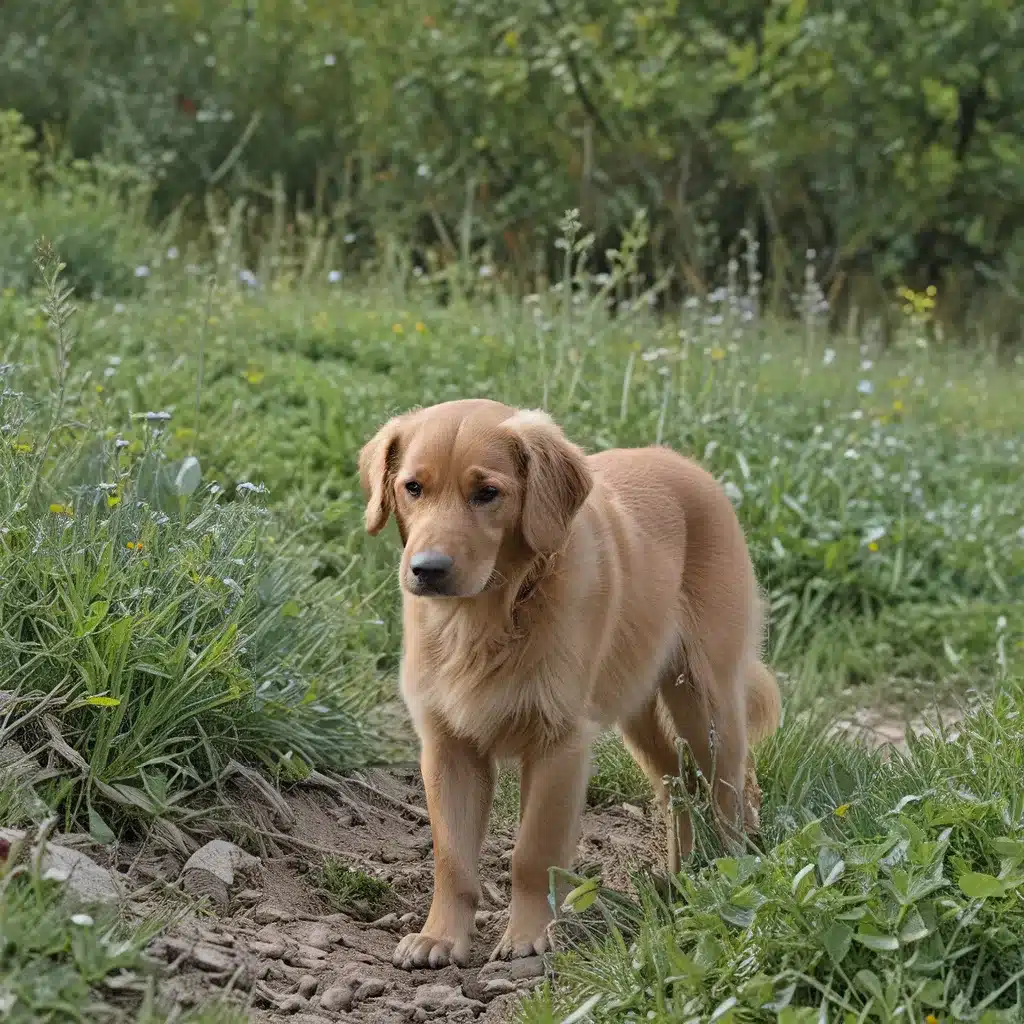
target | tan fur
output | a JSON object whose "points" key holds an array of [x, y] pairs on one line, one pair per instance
{"points": [[614, 589]]}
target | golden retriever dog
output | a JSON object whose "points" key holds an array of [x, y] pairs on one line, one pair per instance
{"points": [[549, 595]]}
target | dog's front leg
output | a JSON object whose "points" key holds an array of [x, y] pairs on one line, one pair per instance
{"points": [[552, 793], [459, 783]]}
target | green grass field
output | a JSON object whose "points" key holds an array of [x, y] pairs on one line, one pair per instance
{"points": [[186, 584]]}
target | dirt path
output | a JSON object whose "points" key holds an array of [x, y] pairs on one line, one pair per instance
{"points": [[284, 952], [290, 938]]}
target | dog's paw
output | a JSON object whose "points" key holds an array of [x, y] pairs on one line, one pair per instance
{"points": [[515, 945], [422, 950]]}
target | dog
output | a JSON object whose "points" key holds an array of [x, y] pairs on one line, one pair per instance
{"points": [[549, 595]]}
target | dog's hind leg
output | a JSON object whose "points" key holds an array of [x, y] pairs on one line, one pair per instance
{"points": [[649, 740], [707, 706]]}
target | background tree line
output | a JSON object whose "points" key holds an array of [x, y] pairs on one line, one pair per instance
{"points": [[885, 138]]}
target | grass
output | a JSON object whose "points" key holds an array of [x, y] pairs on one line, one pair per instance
{"points": [[349, 889], [881, 891], [187, 584]]}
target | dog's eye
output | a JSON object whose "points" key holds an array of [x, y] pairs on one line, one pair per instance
{"points": [[413, 489], [485, 495]]}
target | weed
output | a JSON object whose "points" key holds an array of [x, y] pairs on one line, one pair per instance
{"points": [[349, 889]]}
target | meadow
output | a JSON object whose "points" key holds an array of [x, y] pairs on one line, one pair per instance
{"points": [[188, 594]]}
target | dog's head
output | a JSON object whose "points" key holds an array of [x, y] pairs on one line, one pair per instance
{"points": [[478, 489]]}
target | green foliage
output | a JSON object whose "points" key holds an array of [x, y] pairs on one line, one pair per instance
{"points": [[93, 212], [886, 138], [351, 890], [878, 491], [887, 891], [165, 633], [53, 953]]}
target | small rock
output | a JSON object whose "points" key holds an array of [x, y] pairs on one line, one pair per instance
{"points": [[483, 917], [320, 937], [369, 989], [308, 986], [83, 876], [222, 859], [410, 919], [266, 913], [202, 884], [389, 922], [635, 811], [269, 950], [292, 1004], [446, 998], [337, 999], [435, 997], [210, 958], [514, 970], [493, 893], [248, 896], [499, 987]]}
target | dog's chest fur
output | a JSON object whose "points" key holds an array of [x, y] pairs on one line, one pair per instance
{"points": [[493, 686]]}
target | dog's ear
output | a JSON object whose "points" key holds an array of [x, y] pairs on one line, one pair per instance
{"points": [[557, 478], [377, 464]]}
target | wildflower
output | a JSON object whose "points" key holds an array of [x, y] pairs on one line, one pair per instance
{"points": [[245, 486], [865, 387], [842, 810], [423, 171], [486, 271], [866, 364], [349, 239], [397, 328], [247, 277], [420, 327], [335, 275], [142, 271], [61, 510], [897, 406], [82, 920], [172, 253], [134, 545], [330, 60], [119, 307], [717, 354], [873, 546]]}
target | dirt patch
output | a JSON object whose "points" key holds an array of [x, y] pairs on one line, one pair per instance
{"points": [[281, 947], [888, 727], [306, 933]]}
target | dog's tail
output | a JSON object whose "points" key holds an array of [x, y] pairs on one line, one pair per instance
{"points": [[764, 702]]}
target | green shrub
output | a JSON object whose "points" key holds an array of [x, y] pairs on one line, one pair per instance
{"points": [[885, 138], [883, 891], [150, 633], [94, 213]]}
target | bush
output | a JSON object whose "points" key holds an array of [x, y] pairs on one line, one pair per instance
{"points": [[150, 634], [884, 891], [886, 139], [94, 212]]}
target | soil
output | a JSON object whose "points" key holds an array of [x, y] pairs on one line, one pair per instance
{"points": [[277, 947], [280, 946]]}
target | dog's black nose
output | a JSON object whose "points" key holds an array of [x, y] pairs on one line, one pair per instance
{"points": [[430, 569]]}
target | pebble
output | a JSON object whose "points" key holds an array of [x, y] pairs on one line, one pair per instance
{"points": [[514, 970], [308, 986], [320, 937], [292, 1004], [268, 914], [336, 999]]}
